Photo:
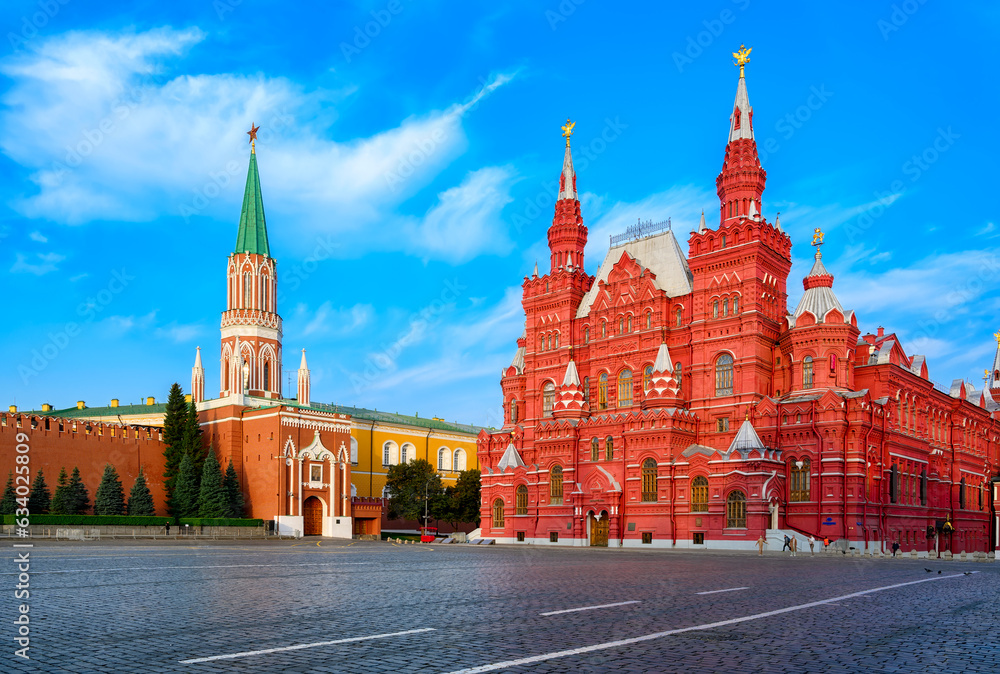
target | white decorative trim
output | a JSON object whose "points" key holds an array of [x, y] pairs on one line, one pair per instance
{"points": [[299, 422]]}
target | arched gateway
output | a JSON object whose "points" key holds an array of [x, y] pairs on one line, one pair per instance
{"points": [[599, 530], [312, 511]]}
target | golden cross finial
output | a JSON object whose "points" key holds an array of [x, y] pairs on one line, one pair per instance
{"points": [[818, 237], [253, 136], [742, 58], [567, 130]]}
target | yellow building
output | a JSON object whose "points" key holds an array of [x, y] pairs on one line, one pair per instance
{"points": [[382, 439]]}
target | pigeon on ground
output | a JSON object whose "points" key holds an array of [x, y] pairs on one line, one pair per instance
{"points": [[927, 570], [967, 573], [939, 572]]}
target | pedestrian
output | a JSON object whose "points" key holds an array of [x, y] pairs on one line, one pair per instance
{"points": [[812, 543], [760, 545], [794, 545], [826, 543], [895, 548], [788, 542]]}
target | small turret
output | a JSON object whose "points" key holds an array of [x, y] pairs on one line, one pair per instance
{"points": [[197, 379], [304, 385], [569, 398]]}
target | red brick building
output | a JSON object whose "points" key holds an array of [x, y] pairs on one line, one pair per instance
{"points": [[675, 400]]}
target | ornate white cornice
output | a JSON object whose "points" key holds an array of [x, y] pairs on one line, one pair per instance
{"points": [[311, 424]]}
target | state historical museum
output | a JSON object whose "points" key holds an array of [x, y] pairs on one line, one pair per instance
{"points": [[674, 400]]}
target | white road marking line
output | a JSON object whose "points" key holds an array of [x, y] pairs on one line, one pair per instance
{"points": [[297, 647], [728, 589], [591, 608], [216, 566], [659, 635]]}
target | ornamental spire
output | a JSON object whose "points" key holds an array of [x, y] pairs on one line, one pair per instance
{"points": [[252, 235], [253, 136], [567, 235], [567, 181]]}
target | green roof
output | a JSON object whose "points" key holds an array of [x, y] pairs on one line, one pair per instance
{"points": [[402, 419], [113, 412], [252, 237]]}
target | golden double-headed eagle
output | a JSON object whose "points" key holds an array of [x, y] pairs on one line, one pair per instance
{"points": [[567, 129]]}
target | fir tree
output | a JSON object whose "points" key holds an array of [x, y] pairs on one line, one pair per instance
{"points": [[9, 503], [61, 499], [140, 501], [212, 497], [110, 497], [192, 442], [173, 437], [234, 495], [39, 501], [185, 497], [78, 498]]}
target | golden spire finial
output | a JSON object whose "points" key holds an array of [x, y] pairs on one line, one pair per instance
{"points": [[567, 130], [818, 237], [996, 336], [986, 376], [253, 136], [742, 57]]}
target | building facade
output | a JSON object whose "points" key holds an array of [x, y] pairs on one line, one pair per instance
{"points": [[674, 399]]}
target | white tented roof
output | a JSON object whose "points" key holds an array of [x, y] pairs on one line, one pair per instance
{"points": [[510, 458], [660, 254], [746, 439]]}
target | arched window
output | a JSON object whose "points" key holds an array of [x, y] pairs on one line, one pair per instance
{"points": [[609, 448], [736, 305], [807, 372], [649, 481], [628, 323], [542, 347], [521, 504], [649, 325], [621, 325], [586, 390], [799, 481], [723, 240], [724, 375], [556, 485], [556, 345], [498, 513], [387, 454], [586, 334], [458, 460], [267, 376], [595, 449], [513, 410], [407, 453], [736, 510], [548, 398], [247, 290], [604, 328], [677, 374], [678, 316], [647, 378], [715, 309], [961, 494], [725, 306], [625, 388], [699, 495], [602, 391], [354, 451], [264, 285], [443, 458]]}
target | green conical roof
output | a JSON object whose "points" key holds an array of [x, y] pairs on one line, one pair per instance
{"points": [[252, 237]]}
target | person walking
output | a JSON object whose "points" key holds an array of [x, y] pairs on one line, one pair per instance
{"points": [[826, 543], [788, 542], [760, 545], [794, 546], [812, 545], [895, 548]]}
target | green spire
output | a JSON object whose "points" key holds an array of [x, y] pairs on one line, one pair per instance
{"points": [[252, 237]]}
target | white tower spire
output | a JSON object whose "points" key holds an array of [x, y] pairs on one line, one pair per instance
{"points": [[303, 380], [197, 379]]}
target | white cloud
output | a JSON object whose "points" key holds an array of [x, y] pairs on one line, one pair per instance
{"points": [[327, 320], [47, 262], [178, 333], [144, 140], [39, 237]]}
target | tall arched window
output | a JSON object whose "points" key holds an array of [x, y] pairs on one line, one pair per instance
{"points": [[556, 345], [513, 410], [595, 449], [799, 481], [267, 375], [699, 494], [604, 328], [586, 390], [387, 454], [647, 378], [354, 451], [807, 372], [586, 335], [521, 504], [548, 398], [458, 460], [609, 448], [556, 485], [247, 290], [677, 374], [628, 323], [736, 510], [265, 285], [443, 458], [649, 481], [498, 513], [715, 309], [724, 375], [621, 325], [625, 388], [602, 391], [649, 325], [678, 316], [725, 306], [736, 305], [723, 240], [542, 347], [406, 453]]}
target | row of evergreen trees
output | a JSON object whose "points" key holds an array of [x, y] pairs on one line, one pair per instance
{"points": [[72, 498], [194, 482]]}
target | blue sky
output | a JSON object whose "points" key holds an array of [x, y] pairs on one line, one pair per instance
{"points": [[407, 156]]}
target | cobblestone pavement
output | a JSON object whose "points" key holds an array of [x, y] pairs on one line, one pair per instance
{"points": [[99, 607]]}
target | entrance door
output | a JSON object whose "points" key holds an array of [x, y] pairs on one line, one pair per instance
{"points": [[312, 515], [599, 531]]}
